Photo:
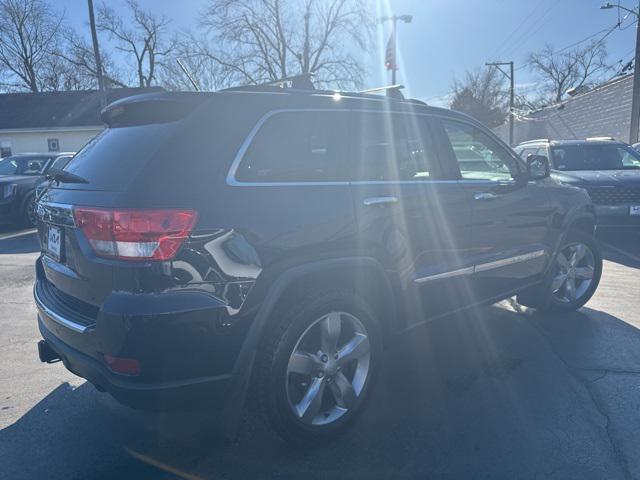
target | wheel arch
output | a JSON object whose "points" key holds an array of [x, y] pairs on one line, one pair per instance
{"points": [[341, 271]]}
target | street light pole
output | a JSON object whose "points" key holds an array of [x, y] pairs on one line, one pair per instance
{"points": [[634, 124], [511, 77]]}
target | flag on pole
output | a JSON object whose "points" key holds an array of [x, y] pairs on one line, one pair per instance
{"points": [[390, 55]]}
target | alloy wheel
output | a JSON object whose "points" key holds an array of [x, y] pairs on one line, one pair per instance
{"points": [[328, 369], [32, 213], [574, 271]]}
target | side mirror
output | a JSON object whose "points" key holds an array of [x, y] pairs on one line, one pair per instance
{"points": [[537, 167]]}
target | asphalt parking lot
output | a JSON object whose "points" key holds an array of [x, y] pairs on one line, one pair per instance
{"points": [[492, 393]]}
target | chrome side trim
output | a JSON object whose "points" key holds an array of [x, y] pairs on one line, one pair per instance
{"points": [[76, 327], [508, 261], [439, 276], [482, 267], [379, 200]]}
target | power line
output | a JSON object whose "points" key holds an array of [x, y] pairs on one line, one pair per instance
{"points": [[505, 42]]}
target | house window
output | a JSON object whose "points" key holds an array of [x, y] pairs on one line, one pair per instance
{"points": [[5, 148], [54, 144]]}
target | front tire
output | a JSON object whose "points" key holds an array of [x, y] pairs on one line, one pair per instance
{"points": [[573, 277], [317, 367]]}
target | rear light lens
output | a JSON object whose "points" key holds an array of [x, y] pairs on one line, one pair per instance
{"points": [[135, 234], [126, 366]]}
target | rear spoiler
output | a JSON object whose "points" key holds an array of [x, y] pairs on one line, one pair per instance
{"points": [[151, 108]]}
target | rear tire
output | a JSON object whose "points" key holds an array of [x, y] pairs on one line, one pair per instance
{"points": [[317, 366], [573, 276]]}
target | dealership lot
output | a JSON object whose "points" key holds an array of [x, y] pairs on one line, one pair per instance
{"points": [[491, 393]]}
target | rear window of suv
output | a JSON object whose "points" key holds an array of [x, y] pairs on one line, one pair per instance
{"points": [[117, 155]]}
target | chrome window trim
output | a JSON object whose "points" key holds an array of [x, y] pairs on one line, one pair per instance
{"points": [[65, 322], [482, 267], [231, 174]]}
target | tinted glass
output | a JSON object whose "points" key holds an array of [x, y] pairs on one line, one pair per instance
{"points": [[60, 162], [297, 147], [114, 157], [479, 156], [391, 146], [23, 165], [594, 157]]}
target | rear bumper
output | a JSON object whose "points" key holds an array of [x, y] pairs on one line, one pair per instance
{"points": [[208, 392], [186, 360]]}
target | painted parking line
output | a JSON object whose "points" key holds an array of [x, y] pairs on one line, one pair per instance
{"points": [[6, 236]]}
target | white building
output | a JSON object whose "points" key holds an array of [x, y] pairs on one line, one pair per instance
{"points": [[53, 121]]}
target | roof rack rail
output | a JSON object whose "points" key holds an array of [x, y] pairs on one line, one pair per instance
{"points": [[536, 140], [302, 81], [393, 91], [601, 139]]}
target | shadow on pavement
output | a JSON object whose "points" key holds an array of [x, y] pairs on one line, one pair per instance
{"points": [[477, 395], [26, 242]]}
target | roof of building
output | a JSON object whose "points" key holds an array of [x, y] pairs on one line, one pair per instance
{"points": [[58, 109]]}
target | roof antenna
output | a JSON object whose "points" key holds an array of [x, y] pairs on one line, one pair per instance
{"points": [[186, 72]]}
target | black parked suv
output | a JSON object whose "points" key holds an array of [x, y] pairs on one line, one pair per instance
{"points": [[269, 242], [19, 176], [608, 169]]}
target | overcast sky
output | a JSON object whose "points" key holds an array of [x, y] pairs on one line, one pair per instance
{"points": [[449, 36]]}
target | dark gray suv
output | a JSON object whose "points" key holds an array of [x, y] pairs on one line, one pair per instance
{"points": [[269, 242]]}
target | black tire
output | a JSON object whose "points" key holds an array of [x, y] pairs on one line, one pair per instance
{"points": [[543, 298], [271, 374], [27, 216]]}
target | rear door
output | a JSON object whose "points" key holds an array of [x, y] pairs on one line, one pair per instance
{"points": [[408, 216], [511, 217]]}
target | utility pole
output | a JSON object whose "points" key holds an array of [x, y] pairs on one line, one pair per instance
{"points": [[96, 53], [511, 78], [635, 98], [634, 124], [394, 37]]}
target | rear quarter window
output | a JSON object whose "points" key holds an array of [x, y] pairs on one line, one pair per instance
{"points": [[306, 146], [117, 155]]}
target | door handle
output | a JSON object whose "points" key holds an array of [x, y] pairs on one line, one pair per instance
{"points": [[485, 196], [379, 200]]}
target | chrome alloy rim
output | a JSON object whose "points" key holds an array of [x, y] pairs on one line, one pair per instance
{"points": [[328, 368], [574, 270]]}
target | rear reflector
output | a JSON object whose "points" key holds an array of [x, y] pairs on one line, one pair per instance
{"points": [[135, 234], [128, 366]]}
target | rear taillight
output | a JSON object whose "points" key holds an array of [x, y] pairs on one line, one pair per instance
{"points": [[135, 234]]}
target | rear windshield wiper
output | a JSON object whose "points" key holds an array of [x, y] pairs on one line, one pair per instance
{"points": [[63, 176]]}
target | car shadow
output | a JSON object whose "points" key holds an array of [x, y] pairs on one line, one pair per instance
{"points": [[482, 394], [19, 242], [621, 246]]}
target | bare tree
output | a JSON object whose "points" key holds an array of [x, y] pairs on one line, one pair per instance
{"points": [[260, 40], [145, 36], [78, 54], [483, 95], [29, 30], [562, 71]]}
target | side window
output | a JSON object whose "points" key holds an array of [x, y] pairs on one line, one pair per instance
{"points": [[526, 152], [391, 147], [297, 147], [479, 156]]}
